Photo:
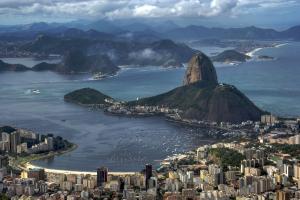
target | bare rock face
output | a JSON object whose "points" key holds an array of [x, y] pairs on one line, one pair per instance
{"points": [[200, 68]]}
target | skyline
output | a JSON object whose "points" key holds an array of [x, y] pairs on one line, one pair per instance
{"points": [[278, 14]]}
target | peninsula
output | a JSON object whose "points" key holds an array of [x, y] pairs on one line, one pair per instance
{"points": [[201, 98]]}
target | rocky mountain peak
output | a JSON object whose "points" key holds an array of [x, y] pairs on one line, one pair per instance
{"points": [[200, 68]]}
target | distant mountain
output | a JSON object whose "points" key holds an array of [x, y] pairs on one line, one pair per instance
{"points": [[204, 98], [230, 56], [43, 66], [86, 96], [167, 50], [40, 26], [74, 62], [145, 36], [292, 33], [90, 34], [11, 67], [108, 26], [34, 27], [120, 26], [29, 31], [120, 52], [200, 32], [164, 29], [103, 26], [46, 44], [164, 26], [136, 27], [251, 32], [191, 32]]}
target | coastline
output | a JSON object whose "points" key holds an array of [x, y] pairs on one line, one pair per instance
{"points": [[252, 53], [123, 68], [24, 163], [20, 163], [61, 171], [281, 45]]}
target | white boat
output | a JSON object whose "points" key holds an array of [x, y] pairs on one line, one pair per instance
{"points": [[98, 76], [36, 91]]}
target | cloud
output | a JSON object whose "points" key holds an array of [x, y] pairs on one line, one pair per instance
{"points": [[115, 9], [147, 54]]}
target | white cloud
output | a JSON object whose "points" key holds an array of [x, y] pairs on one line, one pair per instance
{"points": [[138, 8], [145, 54], [222, 6], [144, 10]]}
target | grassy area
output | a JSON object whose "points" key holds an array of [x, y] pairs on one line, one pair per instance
{"points": [[274, 158], [3, 197], [292, 149], [226, 157]]}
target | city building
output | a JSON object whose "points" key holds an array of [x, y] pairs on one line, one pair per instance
{"points": [[148, 175], [101, 176]]}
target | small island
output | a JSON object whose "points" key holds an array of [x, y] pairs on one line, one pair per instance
{"points": [[229, 56], [264, 57], [87, 96]]}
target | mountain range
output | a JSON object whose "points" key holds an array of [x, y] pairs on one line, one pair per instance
{"points": [[163, 30], [247, 33], [119, 52], [74, 61], [109, 45]]}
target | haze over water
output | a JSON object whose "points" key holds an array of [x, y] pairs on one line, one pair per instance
{"points": [[126, 144]]}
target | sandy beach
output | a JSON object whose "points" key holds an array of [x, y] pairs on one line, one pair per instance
{"points": [[58, 171], [254, 51]]}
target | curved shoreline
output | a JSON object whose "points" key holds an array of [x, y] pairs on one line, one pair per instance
{"points": [[25, 164], [61, 171], [252, 53], [20, 163]]}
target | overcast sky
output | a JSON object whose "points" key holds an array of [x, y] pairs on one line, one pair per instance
{"points": [[271, 13]]}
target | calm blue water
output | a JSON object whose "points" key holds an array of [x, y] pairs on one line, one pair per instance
{"points": [[272, 85], [123, 143], [120, 143]]}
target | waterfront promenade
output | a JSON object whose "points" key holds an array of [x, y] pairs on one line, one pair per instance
{"points": [[59, 171]]}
